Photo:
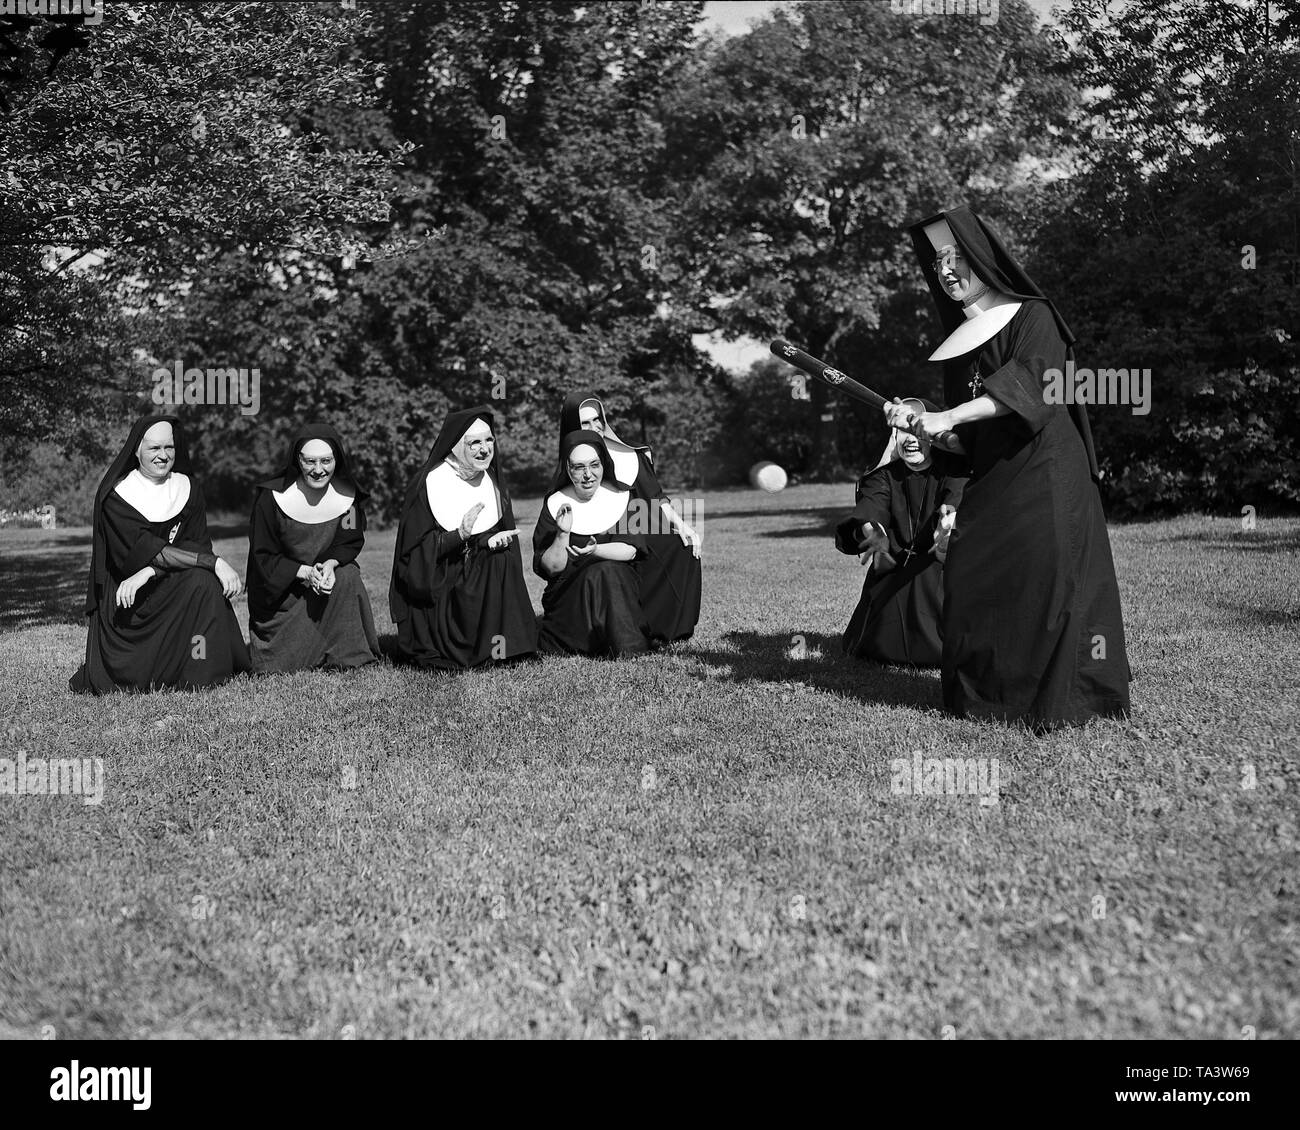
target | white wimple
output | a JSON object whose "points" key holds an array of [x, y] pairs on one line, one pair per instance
{"points": [[333, 503], [451, 498], [598, 514], [156, 502]]}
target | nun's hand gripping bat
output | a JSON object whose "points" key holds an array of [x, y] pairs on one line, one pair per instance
{"points": [[829, 375]]}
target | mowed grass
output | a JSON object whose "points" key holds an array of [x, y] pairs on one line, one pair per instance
{"points": [[703, 843]]}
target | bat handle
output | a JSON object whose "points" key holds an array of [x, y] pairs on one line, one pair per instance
{"points": [[949, 441]]}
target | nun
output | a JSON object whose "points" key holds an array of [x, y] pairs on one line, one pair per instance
{"points": [[158, 598], [1032, 627], [307, 605], [900, 531], [670, 570], [584, 549], [458, 594]]}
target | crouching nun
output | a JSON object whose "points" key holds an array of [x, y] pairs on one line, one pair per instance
{"points": [[899, 529], [1032, 629], [158, 598], [670, 570], [584, 552], [307, 605], [458, 594]]}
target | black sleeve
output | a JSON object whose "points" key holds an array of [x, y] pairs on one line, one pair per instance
{"points": [[270, 573], [543, 535], [1035, 346], [955, 475], [425, 554], [193, 534], [172, 559], [874, 492], [648, 484], [129, 541], [349, 538]]}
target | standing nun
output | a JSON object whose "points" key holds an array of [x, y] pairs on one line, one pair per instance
{"points": [[307, 605], [158, 598], [583, 548], [900, 529], [670, 570], [458, 594], [1032, 629]]}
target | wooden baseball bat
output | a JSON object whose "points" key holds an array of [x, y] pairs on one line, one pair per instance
{"points": [[827, 374]]}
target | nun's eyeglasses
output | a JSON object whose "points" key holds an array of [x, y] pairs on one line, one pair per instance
{"points": [[480, 444], [949, 258]]}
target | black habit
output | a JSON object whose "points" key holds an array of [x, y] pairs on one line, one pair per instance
{"points": [[669, 573], [457, 603], [181, 631], [290, 626], [593, 607], [1032, 627], [898, 619]]}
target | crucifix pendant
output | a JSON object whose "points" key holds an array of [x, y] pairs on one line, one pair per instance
{"points": [[976, 384]]}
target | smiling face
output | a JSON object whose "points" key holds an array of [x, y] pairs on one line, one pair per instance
{"points": [[316, 463], [477, 446], [956, 277], [589, 418], [157, 452], [915, 452], [585, 470]]}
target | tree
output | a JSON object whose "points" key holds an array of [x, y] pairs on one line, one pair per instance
{"points": [[803, 149], [1178, 245], [535, 164], [209, 138], [32, 47]]}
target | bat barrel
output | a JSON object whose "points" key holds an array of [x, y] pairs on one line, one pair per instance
{"points": [[825, 373]]}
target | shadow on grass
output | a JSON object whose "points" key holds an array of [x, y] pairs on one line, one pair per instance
{"points": [[1246, 541], [768, 658], [389, 650], [821, 521], [388, 646], [1264, 617], [43, 578]]}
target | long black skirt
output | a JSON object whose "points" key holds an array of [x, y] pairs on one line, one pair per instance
{"points": [[594, 610], [898, 618], [670, 588], [310, 629], [482, 615], [1032, 628], [181, 634]]}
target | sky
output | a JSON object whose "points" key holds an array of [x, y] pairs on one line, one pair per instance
{"points": [[733, 16]]}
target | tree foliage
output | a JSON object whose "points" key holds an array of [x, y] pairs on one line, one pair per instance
{"points": [[177, 138], [805, 148], [1177, 245], [534, 195], [426, 204]]}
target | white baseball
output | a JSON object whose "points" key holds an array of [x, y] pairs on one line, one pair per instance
{"points": [[768, 476]]}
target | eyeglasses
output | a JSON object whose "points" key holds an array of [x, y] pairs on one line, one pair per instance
{"points": [[948, 258]]}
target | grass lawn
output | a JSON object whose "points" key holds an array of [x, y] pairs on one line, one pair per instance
{"points": [[703, 842]]}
